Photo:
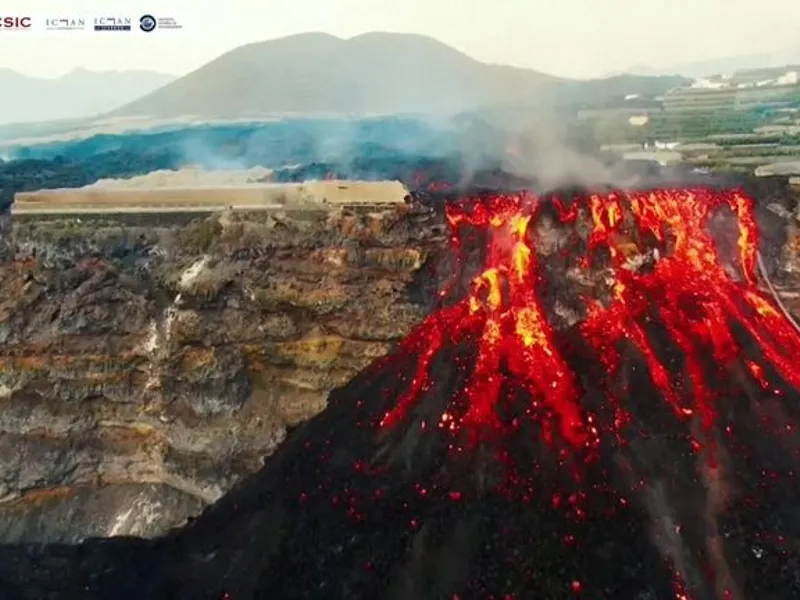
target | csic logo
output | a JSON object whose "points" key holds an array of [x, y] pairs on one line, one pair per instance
{"points": [[112, 24], [15, 23], [147, 23]]}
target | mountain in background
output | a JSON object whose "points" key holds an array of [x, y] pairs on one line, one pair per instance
{"points": [[373, 73], [79, 93], [731, 64]]}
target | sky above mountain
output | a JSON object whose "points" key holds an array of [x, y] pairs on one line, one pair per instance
{"points": [[571, 38], [728, 64], [79, 93]]}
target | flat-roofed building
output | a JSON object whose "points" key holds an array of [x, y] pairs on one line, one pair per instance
{"points": [[730, 98], [246, 197]]}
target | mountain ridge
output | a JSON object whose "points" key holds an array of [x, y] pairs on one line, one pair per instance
{"points": [[724, 65], [372, 73]]}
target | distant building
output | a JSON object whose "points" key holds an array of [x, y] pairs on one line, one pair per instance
{"points": [[778, 130], [708, 84], [725, 98], [662, 157], [615, 111], [327, 195], [656, 145], [699, 98], [755, 76], [781, 168]]}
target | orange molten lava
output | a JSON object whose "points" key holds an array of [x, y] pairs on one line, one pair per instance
{"points": [[687, 290]]}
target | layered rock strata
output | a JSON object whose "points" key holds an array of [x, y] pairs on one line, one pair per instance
{"points": [[145, 369]]}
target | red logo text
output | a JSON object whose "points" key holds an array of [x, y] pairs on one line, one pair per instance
{"points": [[15, 22]]}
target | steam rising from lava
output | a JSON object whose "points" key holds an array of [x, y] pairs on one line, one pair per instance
{"points": [[646, 286]]}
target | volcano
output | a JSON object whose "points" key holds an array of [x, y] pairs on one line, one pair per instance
{"points": [[602, 403]]}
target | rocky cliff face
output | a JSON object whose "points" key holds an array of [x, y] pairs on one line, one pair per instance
{"points": [[144, 368]]}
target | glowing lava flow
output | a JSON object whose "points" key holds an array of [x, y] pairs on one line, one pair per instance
{"points": [[687, 291]]}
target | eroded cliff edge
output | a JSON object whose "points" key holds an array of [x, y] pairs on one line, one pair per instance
{"points": [[147, 366]]}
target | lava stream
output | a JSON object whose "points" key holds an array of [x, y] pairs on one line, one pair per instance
{"points": [[686, 288]]}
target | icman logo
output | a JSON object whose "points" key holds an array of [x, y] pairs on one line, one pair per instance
{"points": [[15, 22]]}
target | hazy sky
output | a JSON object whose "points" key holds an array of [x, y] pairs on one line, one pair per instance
{"points": [[578, 38]]}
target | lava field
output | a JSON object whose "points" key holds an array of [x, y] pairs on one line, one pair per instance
{"points": [[635, 440], [601, 404]]}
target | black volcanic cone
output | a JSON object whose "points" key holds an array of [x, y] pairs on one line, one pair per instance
{"points": [[345, 510]]}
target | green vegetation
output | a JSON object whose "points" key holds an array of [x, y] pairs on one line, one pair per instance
{"points": [[718, 129], [792, 98], [777, 140], [675, 126]]}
